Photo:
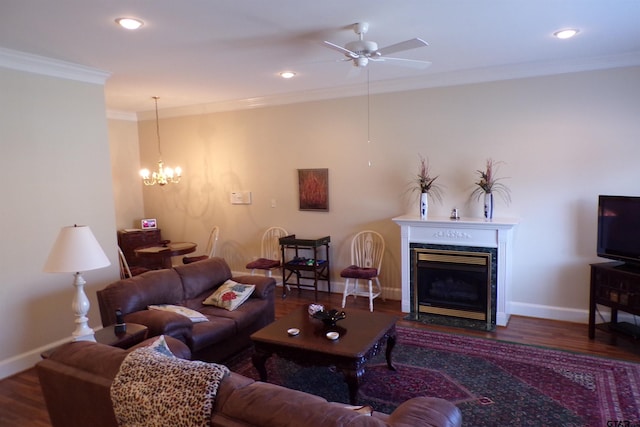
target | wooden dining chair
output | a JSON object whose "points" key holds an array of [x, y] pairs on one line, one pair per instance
{"points": [[210, 251], [367, 250], [270, 254], [125, 270]]}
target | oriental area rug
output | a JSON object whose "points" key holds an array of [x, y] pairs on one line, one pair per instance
{"points": [[494, 383]]}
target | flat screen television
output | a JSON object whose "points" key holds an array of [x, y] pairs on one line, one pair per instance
{"points": [[619, 228]]}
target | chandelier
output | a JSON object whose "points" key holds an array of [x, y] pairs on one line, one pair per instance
{"points": [[164, 174]]}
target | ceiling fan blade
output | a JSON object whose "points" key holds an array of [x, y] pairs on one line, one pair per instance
{"points": [[405, 45], [411, 63], [341, 49]]}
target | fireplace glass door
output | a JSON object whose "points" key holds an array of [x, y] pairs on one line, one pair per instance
{"points": [[452, 283]]}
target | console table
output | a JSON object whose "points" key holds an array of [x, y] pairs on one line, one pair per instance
{"points": [[617, 286], [305, 268]]}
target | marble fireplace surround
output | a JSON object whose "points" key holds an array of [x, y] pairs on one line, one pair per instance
{"points": [[475, 232]]}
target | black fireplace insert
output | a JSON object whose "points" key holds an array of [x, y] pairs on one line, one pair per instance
{"points": [[457, 282]]}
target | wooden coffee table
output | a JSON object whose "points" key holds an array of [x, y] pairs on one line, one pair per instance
{"points": [[362, 336]]}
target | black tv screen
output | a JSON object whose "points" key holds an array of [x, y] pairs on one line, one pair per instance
{"points": [[619, 228]]}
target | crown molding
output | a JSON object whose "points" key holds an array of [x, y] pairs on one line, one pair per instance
{"points": [[36, 64], [122, 115], [443, 79]]}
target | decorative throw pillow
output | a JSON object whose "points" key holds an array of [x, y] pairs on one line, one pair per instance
{"points": [[230, 295], [160, 345], [178, 309]]}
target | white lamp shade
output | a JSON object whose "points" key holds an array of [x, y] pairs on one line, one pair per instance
{"points": [[76, 249]]}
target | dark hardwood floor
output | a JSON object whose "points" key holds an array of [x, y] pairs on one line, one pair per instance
{"points": [[21, 402]]}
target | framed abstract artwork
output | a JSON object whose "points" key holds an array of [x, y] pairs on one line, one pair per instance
{"points": [[313, 187]]}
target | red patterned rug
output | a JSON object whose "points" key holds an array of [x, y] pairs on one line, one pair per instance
{"points": [[493, 383]]}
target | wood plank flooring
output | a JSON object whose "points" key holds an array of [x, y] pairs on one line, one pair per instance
{"points": [[22, 404]]}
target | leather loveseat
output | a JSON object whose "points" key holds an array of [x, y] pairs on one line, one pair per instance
{"points": [[224, 334], [76, 380]]}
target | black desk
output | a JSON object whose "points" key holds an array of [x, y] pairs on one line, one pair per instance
{"points": [[314, 268]]}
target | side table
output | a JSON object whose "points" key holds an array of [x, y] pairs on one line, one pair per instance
{"points": [[135, 334]]}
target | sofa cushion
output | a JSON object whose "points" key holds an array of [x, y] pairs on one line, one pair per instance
{"points": [[202, 276], [244, 316], [213, 332], [192, 315], [230, 295], [136, 293]]}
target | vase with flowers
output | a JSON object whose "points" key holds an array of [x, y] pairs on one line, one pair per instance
{"points": [[488, 185], [427, 187]]}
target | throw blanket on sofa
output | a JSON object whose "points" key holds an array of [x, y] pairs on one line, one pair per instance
{"points": [[153, 390]]}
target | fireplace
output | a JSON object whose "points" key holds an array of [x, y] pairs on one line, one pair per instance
{"points": [[459, 270], [453, 281]]}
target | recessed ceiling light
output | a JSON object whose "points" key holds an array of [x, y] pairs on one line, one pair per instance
{"points": [[129, 23], [566, 34], [287, 74]]}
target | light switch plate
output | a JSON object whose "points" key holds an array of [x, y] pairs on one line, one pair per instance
{"points": [[241, 197]]}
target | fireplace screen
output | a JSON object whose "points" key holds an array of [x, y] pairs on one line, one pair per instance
{"points": [[452, 283]]}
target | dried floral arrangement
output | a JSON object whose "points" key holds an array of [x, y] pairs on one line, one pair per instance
{"points": [[425, 183], [489, 183]]}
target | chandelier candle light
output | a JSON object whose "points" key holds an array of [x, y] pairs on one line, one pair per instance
{"points": [[164, 175], [76, 249]]}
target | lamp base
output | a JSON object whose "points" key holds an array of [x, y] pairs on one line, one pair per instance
{"points": [[80, 306]]}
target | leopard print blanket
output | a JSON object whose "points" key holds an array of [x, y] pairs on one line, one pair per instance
{"points": [[153, 390]]}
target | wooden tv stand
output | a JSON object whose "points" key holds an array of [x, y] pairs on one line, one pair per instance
{"points": [[615, 285]]}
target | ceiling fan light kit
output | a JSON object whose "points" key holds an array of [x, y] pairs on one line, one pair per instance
{"points": [[361, 51]]}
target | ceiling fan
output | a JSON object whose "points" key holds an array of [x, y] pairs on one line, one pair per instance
{"points": [[361, 51]]}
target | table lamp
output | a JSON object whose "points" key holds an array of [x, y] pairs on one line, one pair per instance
{"points": [[76, 249]]}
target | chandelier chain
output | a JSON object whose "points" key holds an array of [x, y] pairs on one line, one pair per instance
{"points": [[158, 127]]}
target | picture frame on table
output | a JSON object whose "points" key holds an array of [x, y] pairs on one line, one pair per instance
{"points": [[149, 224]]}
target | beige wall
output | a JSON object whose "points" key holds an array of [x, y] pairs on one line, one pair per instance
{"points": [[125, 164], [564, 139], [55, 171]]}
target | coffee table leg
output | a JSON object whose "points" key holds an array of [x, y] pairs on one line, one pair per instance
{"points": [[391, 343], [352, 378], [259, 359]]}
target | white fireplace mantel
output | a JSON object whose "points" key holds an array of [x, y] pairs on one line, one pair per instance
{"points": [[478, 232]]}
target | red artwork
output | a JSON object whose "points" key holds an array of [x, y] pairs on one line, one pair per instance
{"points": [[314, 189]]}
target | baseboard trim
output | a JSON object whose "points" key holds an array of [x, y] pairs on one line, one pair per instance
{"points": [[563, 313], [337, 287], [24, 361]]}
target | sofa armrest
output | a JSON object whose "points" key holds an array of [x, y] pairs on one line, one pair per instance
{"points": [[264, 285], [162, 323], [426, 411], [75, 398]]}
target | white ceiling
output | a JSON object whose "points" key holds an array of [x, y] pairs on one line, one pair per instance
{"points": [[224, 52]]}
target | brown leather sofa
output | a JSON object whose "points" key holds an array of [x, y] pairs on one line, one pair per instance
{"points": [[226, 332], [76, 381]]}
